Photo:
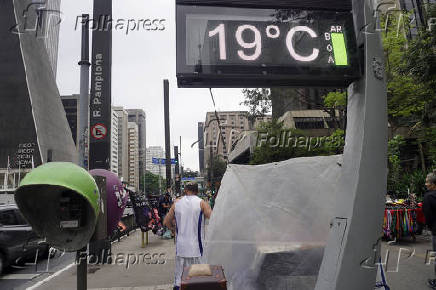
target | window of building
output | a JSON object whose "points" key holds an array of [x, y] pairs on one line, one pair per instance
{"points": [[309, 123]]}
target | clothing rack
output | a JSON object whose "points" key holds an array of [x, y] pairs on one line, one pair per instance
{"points": [[399, 221]]}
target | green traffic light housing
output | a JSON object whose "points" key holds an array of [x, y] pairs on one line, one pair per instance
{"points": [[61, 201]]}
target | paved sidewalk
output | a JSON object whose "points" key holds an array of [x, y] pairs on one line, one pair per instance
{"points": [[149, 268], [408, 265]]}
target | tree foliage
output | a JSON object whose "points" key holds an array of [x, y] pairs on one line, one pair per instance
{"points": [[219, 167], [411, 79], [335, 100], [151, 182], [406, 96], [258, 102]]}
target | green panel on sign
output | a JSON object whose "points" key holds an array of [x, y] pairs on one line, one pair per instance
{"points": [[339, 49]]}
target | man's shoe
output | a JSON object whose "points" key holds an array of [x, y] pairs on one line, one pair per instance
{"points": [[431, 283], [176, 288]]}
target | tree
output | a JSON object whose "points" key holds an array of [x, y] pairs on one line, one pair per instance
{"points": [[336, 101], [219, 167], [406, 96], [394, 163], [280, 100], [258, 102], [411, 81], [151, 182]]}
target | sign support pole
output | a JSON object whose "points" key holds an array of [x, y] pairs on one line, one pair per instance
{"points": [[82, 264], [167, 133], [84, 92]]}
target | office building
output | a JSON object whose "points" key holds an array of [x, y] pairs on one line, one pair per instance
{"points": [[201, 147], [221, 134], [138, 116], [155, 152], [133, 143], [123, 148], [114, 142]]}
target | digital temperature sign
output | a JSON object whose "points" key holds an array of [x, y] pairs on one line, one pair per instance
{"points": [[252, 47]]}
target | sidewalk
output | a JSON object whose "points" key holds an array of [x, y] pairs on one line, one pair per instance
{"points": [[408, 265], [152, 270]]}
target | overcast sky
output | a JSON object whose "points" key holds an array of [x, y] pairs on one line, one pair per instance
{"points": [[140, 61]]}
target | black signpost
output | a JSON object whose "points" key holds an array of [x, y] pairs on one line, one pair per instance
{"points": [[100, 109], [100, 99]]}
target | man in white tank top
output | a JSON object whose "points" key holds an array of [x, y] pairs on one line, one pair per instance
{"points": [[186, 217]]}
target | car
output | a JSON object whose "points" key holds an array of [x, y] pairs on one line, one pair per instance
{"points": [[18, 241]]}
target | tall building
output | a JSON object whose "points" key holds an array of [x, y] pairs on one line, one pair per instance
{"points": [[201, 147], [114, 142], [138, 116], [133, 141], [123, 148], [221, 135], [155, 152], [33, 125]]}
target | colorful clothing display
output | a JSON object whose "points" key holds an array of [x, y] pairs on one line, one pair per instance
{"points": [[399, 222]]}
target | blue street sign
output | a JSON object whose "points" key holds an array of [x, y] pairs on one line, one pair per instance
{"points": [[188, 178], [162, 161]]}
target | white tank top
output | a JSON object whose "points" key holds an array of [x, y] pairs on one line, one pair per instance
{"points": [[189, 227]]}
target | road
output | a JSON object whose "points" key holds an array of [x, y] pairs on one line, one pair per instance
{"points": [[20, 277]]}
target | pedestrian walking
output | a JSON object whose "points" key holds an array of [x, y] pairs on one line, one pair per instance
{"points": [[429, 208], [186, 216]]}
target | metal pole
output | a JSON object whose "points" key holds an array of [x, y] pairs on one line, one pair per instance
{"points": [[167, 132], [142, 240], [84, 92], [84, 63], [180, 158], [176, 170], [82, 269], [160, 177]]}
